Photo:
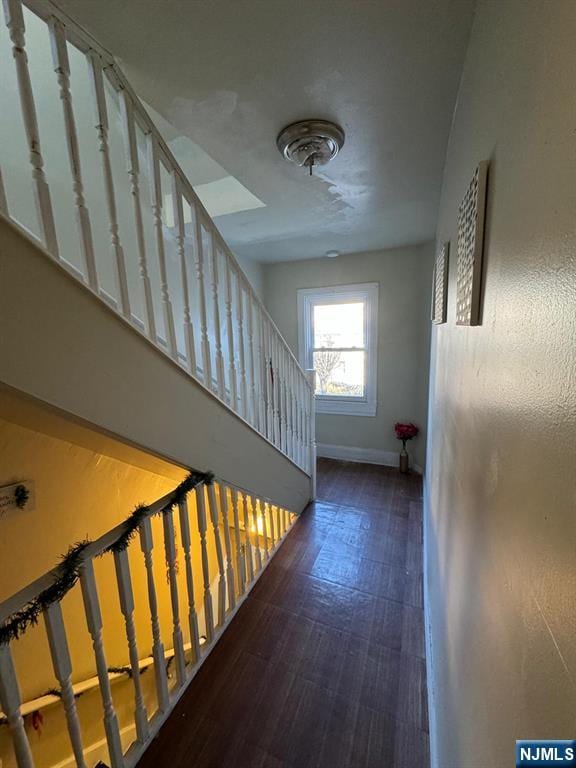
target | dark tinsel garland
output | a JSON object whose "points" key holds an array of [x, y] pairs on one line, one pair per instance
{"points": [[68, 575], [68, 571], [132, 524]]}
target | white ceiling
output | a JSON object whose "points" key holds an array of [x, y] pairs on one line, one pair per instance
{"points": [[230, 74]]}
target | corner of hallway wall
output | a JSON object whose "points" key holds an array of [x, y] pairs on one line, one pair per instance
{"points": [[500, 485], [254, 271], [404, 275]]}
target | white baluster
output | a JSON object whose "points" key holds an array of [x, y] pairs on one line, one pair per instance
{"points": [[288, 405], [11, 703], [273, 381], [297, 428], [62, 665], [286, 400], [216, 316], [294, 409], [3, 200], [192, 615], [254, 399], [15, 23], [103, 146], [306, 420], [312, 430], [264, 528], [205, 340], [94, 622], [276, 524], [292, 406], [244, 410], [147, 544], [267, 377], [230, 329], [282, 396], [285, 429], [275, 384], [304, 404], [213, 506], [201, 513], [178, 640], [126, 596], [261, 373], [279, 529], [62, 69], [240, 565], [248, 545], [181, 245], [282, 415], [273, 539], [156, 193], [256, 533], [230, 580], [133, 169], [297, 416]]}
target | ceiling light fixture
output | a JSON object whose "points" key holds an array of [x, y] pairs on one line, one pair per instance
{"points": [[310, 142], [332, 254]]}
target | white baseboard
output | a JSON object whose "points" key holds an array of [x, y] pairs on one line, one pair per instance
{"points": [[362, 455]]}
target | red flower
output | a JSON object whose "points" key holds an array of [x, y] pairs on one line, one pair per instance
{"points": [[405, 431]]}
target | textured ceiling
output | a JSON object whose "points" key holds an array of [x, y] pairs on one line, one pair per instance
{"points": [[230, 74]]}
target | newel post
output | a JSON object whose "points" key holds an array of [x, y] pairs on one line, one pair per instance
{"points": [[311, 376]]}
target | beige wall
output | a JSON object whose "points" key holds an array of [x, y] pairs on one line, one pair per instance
{"points": [[501, 481], [404, 277], [65, 347], [80, 493]]}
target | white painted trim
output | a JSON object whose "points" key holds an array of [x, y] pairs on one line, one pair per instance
{"points": [[367, 293], [362, 455]]}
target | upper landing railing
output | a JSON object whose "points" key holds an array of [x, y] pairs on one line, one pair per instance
{"points": [[86, 174]]}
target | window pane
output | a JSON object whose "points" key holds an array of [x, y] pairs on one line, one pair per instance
{"points": [[339, 325], [340, 373]]}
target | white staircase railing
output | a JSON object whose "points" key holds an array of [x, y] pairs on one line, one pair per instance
{"points": [[226, 534], [86, 174]]}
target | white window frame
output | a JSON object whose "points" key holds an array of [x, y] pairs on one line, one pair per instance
{"points": [[342, 294]]}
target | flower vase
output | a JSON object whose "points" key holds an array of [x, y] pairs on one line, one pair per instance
{"points": [[404, 461]]}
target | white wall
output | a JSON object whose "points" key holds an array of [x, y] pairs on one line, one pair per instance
{"points": [[404, 277], [501, 485]]}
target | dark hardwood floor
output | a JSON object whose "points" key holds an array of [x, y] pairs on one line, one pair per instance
{"points": [[323, 666]]}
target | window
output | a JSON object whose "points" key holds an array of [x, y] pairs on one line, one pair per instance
{"points": [[337, 336]]}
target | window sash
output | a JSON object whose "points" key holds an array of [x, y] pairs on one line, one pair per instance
{"points": [[366, 294]]}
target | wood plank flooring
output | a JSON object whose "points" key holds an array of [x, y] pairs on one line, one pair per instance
{"points": [[323, 666]]}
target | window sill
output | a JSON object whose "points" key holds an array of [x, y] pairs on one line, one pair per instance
{"points": [[345, 407]]}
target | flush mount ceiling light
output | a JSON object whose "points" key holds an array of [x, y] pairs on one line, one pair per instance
{"points": [[310, 142], [332, 254]]}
